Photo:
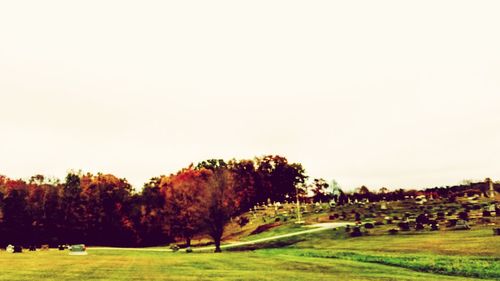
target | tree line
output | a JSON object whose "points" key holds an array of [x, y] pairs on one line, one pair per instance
{"points": [[102, 209]]}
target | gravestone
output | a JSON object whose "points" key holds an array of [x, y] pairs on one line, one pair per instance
{"points": [[18, 249], [388, 220], [45, 247], [491, 189], [343, 215], [463, 216], [461, 225], [422, 219], [451, 223], [357, 216], [496, 231], [10, 248], [174, 247], [419, 226], [492, 209], [348, 228], [383, 205], [441, 216], [404, 226], [434, 225], [78, 250]]}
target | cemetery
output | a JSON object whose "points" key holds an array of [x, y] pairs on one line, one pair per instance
{"points": [[250, 140], [199, 224], [418, 241]]}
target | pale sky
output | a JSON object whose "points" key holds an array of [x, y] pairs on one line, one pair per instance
{"points": [[381, 93]]}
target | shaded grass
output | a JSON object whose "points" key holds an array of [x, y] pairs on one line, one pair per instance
{"points": [[278, 230]]}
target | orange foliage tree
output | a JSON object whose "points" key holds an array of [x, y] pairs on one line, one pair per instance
{"points": [[185, 208]]}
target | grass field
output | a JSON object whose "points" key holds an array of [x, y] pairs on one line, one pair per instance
{"points": [[327, 255], [121, 265]]}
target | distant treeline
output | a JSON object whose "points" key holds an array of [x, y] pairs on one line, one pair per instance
{"points": [[448, 192], [103, 209]]}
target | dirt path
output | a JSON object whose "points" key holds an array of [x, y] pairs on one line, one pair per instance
{"points": [[312, 228]]}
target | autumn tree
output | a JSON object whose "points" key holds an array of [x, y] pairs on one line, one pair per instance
{"points": [[106, 199], [223, 202], [16, 220], [72, 209], [149, 213], [185, 208], [245, 179]]}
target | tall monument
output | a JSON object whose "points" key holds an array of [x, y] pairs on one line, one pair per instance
{"points": [[491, 190]]}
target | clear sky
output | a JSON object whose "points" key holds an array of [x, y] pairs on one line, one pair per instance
{"points": [[381, 93]]}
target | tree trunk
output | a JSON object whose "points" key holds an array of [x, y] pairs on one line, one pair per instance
{"points": [[217, 246], [188, 242]]}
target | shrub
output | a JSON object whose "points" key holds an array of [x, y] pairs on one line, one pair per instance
{"points": [[264, 227], [422, 219], [404, 226], [356, 232], [451, 223], [463, 215], [393, 231], [242, 221], [434, 227]]}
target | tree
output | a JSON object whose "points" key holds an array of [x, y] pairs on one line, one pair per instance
{"points": [[363, 190], [222, 203], [149, 214], [320, 190], [16, 216], [107, 200], [211, 164], [73, 209], [245, 178], [277, 178], [185, 206]]}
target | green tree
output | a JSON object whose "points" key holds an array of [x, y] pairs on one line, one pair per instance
{"points": [[277, 178]]}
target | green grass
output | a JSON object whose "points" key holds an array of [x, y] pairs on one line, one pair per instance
{"points": [[480, 267], [126, 265], [325, 255], [473, 253], [477, 242]]}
